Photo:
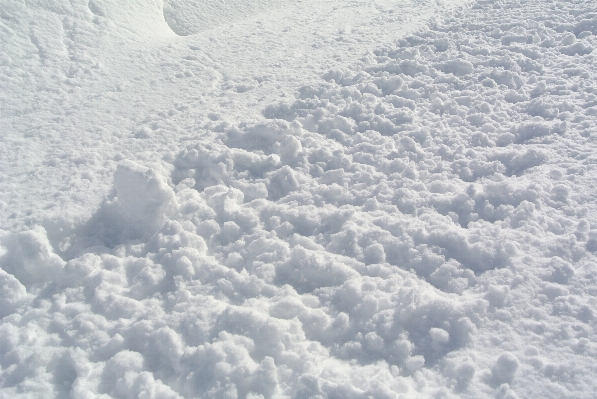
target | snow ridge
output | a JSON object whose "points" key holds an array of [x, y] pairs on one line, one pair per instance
{"points": [[421, 225], [191, 17]]}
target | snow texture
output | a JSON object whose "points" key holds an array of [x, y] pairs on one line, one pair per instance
{"points": [[420, 223]]}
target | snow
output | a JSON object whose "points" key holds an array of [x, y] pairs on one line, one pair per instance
{"points": [[304, 199]]}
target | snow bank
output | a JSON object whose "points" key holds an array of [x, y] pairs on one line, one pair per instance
{"points": [[187, 17], [421, 225]]}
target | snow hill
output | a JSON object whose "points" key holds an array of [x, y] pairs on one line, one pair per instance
{"points": [[312, 199]]}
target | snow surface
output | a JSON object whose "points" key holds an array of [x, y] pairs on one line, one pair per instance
{"points": [[303, 199]]}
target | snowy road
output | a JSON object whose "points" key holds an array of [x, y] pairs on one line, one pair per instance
{"points": [[298, 200]]}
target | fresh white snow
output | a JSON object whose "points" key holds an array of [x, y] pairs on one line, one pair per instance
{"points": [[302, 199]]}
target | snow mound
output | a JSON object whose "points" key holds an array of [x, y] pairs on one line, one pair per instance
{"points": [[188, 17], [143, 17]]}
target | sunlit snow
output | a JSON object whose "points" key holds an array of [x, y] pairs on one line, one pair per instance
{"points": [[298, 199]]}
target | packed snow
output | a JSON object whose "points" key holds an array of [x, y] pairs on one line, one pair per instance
{"points": [[303, 199]]}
